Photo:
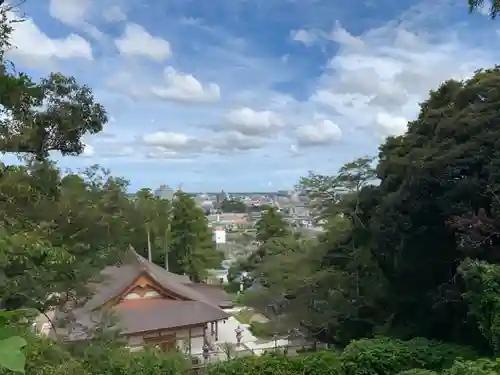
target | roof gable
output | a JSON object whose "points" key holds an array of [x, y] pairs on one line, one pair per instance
{"points": [[118, 279]]}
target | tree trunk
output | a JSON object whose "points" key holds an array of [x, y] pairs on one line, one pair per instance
{"points": [[150, 254], [166, 247]]}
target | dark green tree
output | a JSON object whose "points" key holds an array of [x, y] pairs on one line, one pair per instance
{"points": [[271, 225], [439, 205], [191, 248], [233, 206]]}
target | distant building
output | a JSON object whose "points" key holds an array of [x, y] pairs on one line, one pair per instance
{"points": [[222, 196], [164, 192]]}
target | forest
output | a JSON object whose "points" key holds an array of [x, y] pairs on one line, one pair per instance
{"points": [[405, 278]]}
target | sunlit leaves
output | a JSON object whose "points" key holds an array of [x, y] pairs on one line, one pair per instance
{"points": [[11, 356]]}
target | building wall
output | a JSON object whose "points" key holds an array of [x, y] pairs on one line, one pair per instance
{"points": [[135, 342]]}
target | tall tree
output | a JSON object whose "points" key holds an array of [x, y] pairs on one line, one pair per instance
{"points": [[439, 183], [152, 214], [271, 225], [192, 250]]}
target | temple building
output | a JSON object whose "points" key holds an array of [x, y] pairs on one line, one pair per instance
{"points": [[150, 305]]}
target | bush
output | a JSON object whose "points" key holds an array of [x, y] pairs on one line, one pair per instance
{"points": [[385, 356], [48, 357], [319, 363], [232, 287], [104, 359], [45, 357], [244, 316], [478, 367], [261, 330], [418, 371], [324, 362]]}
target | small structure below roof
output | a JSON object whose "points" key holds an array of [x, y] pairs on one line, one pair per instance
{"points": [[152, 305]]}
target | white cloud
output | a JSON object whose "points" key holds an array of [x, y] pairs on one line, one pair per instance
{"points": [[75, 13], [70, 12], [34, 47], [163, 144], [376, 80], [88, 151], [251, 122], [114, 14], [307, 37], [485, 8], [185, 88], [168, 140], [320, 133], [137, 41], [344, 38]]}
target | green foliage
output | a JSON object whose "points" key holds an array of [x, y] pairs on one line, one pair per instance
{"points": [[477, 367], [263, 330], [271, 225], [418, 371], [386, 356], [483, 295], [233, 206], [319, 363], [11, 356], [191, 248], [110, 360]]}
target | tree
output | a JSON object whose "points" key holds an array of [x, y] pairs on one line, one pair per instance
{"points": [[233, 206], [349, 276], [69, 112], [437, 176], [191, 247], [271, 225], [38, 117], [154, 214], [58, 234]]}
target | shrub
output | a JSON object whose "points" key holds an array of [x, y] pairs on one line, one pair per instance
{"points": [[319, 363], [104, 359], [385, 356], [418, 371], [45, 357], [244, 315], [324, 362], [478, 367], [261, 330]]}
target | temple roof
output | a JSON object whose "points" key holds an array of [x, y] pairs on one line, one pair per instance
{"points": [[194, 303]]}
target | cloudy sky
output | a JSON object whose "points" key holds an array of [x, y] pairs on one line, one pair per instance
{"points": [[249, 94]]}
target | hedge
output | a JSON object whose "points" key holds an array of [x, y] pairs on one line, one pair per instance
{"points": [[386, 356], [478, 367], [318, 363]]}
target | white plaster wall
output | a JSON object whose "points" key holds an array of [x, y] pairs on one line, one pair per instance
{"points": [[197, 346], [184, 333], [182, 336], [135, 341], [196, 342]]}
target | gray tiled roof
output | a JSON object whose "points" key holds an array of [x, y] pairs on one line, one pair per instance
{"points": [[161, 314], [198, 304]]}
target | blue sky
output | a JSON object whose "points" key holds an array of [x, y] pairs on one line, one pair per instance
{"points": [[249, 94]]}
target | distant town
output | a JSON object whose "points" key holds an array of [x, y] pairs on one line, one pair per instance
{"points": [[233, 210]]}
